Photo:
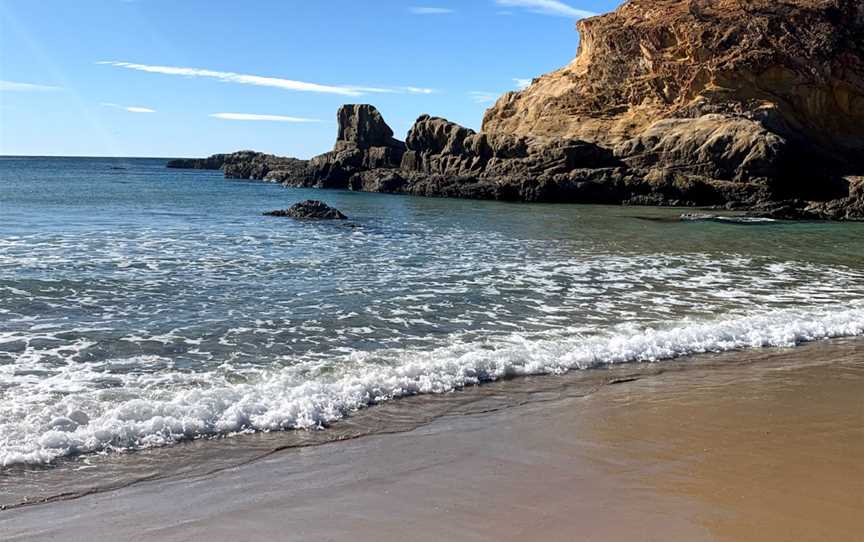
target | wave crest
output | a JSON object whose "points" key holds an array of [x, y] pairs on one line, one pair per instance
{"points": [[290, 399]]}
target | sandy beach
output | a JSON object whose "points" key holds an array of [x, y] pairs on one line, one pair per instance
{"points": [[762, 445]]}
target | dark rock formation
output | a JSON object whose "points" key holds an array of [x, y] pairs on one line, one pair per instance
{"points": [[213, 162], [309, 210], [255, 165], [363, 127], [848, 208], [244, 164], [365, 142]]}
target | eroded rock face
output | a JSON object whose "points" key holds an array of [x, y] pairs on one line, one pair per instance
{"points": [[802, 60], [309, 210], [438, 146], [712, 146]]}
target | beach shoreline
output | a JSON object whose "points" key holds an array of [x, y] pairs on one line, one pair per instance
{"points": [[751, 445]]}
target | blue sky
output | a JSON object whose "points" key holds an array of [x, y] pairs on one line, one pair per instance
{"points": [[196, 77]]}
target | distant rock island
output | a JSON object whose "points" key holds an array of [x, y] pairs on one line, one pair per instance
{"points": [[750, 104]]}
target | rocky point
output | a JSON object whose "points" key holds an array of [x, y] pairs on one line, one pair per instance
{"points": [[752, 104]]}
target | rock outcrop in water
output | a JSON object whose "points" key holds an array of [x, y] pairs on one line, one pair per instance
{"points": [[243, 164], [365, 142], [213, 162], [754, 104], [309, 210]]}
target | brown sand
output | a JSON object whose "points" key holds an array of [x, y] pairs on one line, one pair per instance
{"points": [[772, 450]]}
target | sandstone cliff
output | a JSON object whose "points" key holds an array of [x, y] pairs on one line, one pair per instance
{"points": [[795, 67]]}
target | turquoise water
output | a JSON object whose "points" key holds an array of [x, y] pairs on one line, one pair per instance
{"points": [[142, 306]]}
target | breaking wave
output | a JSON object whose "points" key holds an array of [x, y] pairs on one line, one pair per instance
{"points": [[162, 408]]}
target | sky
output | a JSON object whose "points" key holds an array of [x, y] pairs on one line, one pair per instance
{"points": [[178, 78]]}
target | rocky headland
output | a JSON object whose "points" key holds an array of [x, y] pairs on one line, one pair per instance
{"points": [[743, 104]]}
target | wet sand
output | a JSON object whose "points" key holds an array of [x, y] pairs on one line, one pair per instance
{"points": [[764, 445]]}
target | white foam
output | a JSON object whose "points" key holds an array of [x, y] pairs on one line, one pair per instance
{"points": [[187, 406]]}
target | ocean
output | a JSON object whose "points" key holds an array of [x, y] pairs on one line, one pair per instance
{"points": [[142, 307]]}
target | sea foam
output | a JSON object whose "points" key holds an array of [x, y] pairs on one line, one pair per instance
{"points": [[299, 397]]}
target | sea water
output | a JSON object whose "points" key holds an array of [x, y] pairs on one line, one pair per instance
{"points": [[141, 307]]}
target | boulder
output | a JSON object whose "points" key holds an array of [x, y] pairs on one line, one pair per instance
{"points": [[309, 210]]}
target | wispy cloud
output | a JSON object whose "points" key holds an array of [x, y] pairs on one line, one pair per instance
{"points": [[521, 83], [256, 117], [392, 90], [129, 108], [548, 7], [262, 81], [13, 86], [481, 97], [418, 90], [427, 10]]}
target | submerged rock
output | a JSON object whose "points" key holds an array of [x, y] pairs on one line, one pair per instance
{"points": [[309, 210], [697, 217]]}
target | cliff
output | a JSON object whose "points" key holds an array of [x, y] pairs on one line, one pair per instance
{"points": [[796, 67]]}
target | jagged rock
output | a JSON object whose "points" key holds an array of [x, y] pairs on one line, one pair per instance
{"points": [[309, 210], [437, 146], [364, 142], [362, 126]]}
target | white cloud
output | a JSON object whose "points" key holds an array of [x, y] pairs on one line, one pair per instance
{"points": [[262, 81], [394, 90], [481, 97], [12, 86], [422, 10], [256, 117], [243, 79], [129, 108], [418, 90], [548, 7], [522, 83]]}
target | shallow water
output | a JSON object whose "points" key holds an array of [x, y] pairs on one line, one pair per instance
{"points": [[143, 306]]}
